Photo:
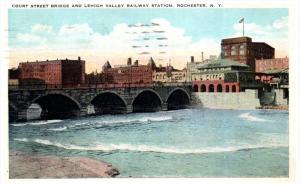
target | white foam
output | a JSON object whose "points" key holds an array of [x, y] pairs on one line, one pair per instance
{"points": [[249, 117], [58, 129], [21, 139], [36, 123], [18, 124], [149, 148], [45, 122], [139, 120]]}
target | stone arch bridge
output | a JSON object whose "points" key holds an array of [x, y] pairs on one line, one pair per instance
{"points": [[66, 103]]}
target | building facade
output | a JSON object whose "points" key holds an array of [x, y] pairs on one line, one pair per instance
{"points": [[223, 75], [243, 50], [98, 78], [271, 64], [54, 72], [169, 75], [272, 70], [130, 73]]}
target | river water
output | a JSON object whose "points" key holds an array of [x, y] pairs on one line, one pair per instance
{"points": [[182, 143]]}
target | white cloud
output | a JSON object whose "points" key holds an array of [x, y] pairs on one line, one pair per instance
{"points": [[75, 29], [252, 28], [278, 27], [39, 28], [29, 38], [281, 23], [116, 46]]}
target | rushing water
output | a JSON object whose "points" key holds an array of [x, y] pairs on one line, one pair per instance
{"points": [[183, 143]]}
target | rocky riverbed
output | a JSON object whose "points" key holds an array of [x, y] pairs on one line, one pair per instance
{"points": [[23, 165]]}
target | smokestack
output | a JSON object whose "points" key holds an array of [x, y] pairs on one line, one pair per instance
{"points": [[129, 62], [192, 59], [136, 63], [202, 56]]}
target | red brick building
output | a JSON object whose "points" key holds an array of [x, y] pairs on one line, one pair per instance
{"points": [[272, 70], [130, 73], [271, 64], [243, 50], [54, 72]]}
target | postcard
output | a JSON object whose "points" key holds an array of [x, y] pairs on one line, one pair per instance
{"points": [[183, 92]]}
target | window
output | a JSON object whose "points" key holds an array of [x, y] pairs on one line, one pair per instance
{"points": [[195, 88], [227, 88], [233, 88], [242, 50], [219, 88], [203, 88], [233, 50], [211, 88]]}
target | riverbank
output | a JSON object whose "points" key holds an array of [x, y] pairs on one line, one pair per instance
{"points": [[23, 165]]}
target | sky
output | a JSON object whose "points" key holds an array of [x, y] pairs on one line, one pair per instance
{"points": [[170, 36]]}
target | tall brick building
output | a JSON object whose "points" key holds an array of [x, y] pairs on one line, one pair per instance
{"points": [[54, 72], [243, 50]]}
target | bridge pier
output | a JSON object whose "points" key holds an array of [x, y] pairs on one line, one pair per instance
{"points": [[164, 107], [22, 115], [84, 111], [129, 108]]}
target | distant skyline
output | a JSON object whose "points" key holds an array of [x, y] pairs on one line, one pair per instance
{"points": [[167, 35]]}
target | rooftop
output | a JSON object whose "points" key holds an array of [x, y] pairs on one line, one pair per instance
{"points": [[222, 63], [276, 71], [236, 40]]}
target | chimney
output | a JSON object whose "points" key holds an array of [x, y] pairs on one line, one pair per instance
{"points": [[136, 63], [79, 58], [129, 62], [202, 56], [192, 59]]}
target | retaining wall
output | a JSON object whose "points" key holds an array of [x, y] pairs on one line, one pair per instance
{"points": [[241, 100]]}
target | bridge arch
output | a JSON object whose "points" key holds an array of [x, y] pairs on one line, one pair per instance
{"points": [[178, 98], [147, 100], [57, 106], [108, 102], [13, 112]]}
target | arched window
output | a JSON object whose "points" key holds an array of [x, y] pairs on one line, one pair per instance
{"points": [[219, 88], [233, 88], [203, 88], [227, 88], [211, 88], [195, 88]]}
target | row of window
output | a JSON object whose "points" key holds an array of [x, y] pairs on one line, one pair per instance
{"points": [[235, 49], [212, 88], [215, 69]]}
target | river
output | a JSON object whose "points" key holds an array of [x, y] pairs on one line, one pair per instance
{"points": [[181, 143]]}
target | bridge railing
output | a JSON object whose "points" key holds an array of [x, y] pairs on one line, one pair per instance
{"points": [[94, 86]]}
